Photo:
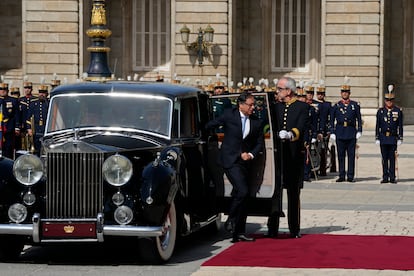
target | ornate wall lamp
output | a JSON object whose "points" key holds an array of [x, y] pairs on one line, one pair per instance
{"points": [[201, 44]]}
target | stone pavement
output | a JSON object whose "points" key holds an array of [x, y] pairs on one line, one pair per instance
{"points": [[365, 207]]}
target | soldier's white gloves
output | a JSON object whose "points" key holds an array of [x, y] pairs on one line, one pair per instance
{"points": [[358, 135], [377, 142], [285, 135], [399, 142], [333, 137], [313, 140]]}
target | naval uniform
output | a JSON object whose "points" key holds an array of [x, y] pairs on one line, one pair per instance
{"points": [[38, 109], [347, 115], [292, 117], [388, 130]]}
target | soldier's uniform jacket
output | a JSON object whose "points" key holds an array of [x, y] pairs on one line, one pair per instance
{"points": [[11, 114], [389, 126], [324, 109], [24, 103], [313, 126], [348, 119], [38, 108]]}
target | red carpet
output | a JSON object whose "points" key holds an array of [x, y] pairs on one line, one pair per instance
{"points": [[322, 251]]}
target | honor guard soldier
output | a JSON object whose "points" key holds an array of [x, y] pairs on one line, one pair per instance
{"points": [[15, 92], [346, 129], [35, 123], [55, 83], [10, 120], [24, 102], [323, 129], [389, 134]]}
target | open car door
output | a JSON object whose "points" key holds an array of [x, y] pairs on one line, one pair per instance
{"points": [[264, 183]]}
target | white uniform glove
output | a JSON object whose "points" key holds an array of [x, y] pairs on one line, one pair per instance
{"points": [[333, 137], [313, 140], [377, 142], [358, 135], [286, 135], [399, 142]]}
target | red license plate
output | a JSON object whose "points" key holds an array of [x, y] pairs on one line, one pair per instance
{"points": [[69, 230]]}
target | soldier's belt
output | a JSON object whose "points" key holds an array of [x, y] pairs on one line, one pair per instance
{"points": [[346, 124], [389, 133]]}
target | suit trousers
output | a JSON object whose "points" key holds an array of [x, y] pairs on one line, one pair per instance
{"points": [[238, 176]]}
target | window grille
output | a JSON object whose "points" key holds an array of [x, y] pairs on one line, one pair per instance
{"points": [[151, 36]]}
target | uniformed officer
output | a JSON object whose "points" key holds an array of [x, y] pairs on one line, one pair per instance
{"points": [[389, 134], [306, 95], [55, 83], [38, 108], [220, 104], [323, 129], [291, 119], [10, 120], [24, 102], [15, 92], [346, 129]]}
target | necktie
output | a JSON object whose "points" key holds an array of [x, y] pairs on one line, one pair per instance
{"points": [[243, 124]]}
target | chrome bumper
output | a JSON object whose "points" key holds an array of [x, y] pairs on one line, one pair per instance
{"points": [[33, 229]]}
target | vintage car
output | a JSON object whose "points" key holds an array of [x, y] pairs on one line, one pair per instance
{"points": [[124, 159]]}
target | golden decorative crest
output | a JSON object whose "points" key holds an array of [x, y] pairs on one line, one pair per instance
{"points": [[69, 229]]}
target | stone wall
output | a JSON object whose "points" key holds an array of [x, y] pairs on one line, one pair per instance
{"points": [[351, 46], [51, 39]]}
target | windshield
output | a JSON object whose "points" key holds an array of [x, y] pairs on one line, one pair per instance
{"points": [[142, 112]]}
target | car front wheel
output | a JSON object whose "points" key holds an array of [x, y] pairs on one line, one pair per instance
{"points": [[160, 249]]}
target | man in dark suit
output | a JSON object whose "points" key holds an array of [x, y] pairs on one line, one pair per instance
{"points": [[243, 142], [291, 123]]}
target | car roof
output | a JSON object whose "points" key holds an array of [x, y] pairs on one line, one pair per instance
{"points": [[133, 87]]}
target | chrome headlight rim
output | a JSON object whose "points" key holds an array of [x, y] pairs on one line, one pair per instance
{"points": [[123, 215], [28, 169], [17, 213], [117, 170]]}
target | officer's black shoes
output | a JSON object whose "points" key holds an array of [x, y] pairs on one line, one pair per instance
{"points": [[242, 237], [307, 179], [272, 234], [295, 235], [384, 181], [351, 180], [393, 181], [340, 179], [229, 226]]}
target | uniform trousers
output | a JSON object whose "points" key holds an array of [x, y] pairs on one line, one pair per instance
{"points": [[346, 148], [388, 161]]}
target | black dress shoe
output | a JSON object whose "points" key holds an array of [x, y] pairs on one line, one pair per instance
{"points": [[272, 234], [340, 180], [295, 236], [384, 181], [351, 180], [393, 181], [229, 226], [242, 237]]}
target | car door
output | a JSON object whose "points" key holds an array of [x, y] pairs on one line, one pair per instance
{"points": [[264, 182]]}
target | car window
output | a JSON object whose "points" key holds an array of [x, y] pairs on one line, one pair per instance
{"points": [[146, 113]]}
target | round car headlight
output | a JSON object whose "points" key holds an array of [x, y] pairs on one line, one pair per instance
{"points": [[117, 170], [29, 198], [118, 199], [17, 212], [28, 169], [123, 215]]}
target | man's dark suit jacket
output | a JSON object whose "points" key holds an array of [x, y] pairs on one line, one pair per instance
{"points": [[234, 144]]}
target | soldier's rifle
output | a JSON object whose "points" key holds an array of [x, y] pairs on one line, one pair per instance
{"points": [[396, 164]]}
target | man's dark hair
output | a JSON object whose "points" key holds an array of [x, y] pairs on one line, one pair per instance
{"points": [[243, 97]]}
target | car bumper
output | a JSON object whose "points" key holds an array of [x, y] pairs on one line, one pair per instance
{"points": [[34, 229]]}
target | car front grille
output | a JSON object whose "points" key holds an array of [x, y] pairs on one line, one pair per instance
{"points": [[74, 185]]}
